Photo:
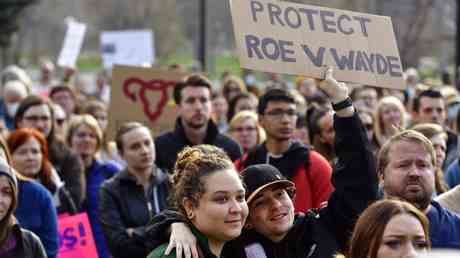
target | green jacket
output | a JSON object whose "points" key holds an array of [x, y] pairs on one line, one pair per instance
{"points": [[159, 252]]}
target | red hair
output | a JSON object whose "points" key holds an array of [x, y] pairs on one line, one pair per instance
{"points": [[19, 137]]}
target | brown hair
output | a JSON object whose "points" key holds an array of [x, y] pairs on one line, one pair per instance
{"points": [[125, 128], [192, 165], [368, 233], [194, 80]]}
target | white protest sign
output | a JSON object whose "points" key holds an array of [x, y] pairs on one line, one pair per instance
{"points": [[131, 47], [72, 44], [282, 37]]}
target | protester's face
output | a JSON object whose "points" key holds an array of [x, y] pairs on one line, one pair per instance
{"points": [[219, 107], [272, 213], [369, 96], [138, 149], [101, 117], [84, 141], [38, 117], [391, 116], [279, 120], [65, 100], [6, 196], [326, 125], [27, 158], [410, 173], [195, 107], [431, 110], [245, 133], [232, 90], [439, 144], [222, 209], [245, 104], [402, 238]]}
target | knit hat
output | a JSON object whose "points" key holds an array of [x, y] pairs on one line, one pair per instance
{"points": [[260, 176], [7, 170]]}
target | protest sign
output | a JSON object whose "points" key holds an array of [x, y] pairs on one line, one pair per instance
{"points": [[282, 37], [72, 44], [130, 47], [144, 95], [76, 238]]}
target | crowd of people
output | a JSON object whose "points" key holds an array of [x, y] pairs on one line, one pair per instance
{"points": [[311, 168]]}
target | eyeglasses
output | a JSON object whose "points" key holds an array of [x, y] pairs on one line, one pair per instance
{"points": [[242, 129], [278, 113], [37, 118]]}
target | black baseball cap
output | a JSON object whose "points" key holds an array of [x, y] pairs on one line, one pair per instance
{"points": [[260, 176]]}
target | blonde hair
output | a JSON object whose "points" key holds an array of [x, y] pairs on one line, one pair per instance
{"points": [[248, 114], [379, 130], [407, 136], [88, 120]]}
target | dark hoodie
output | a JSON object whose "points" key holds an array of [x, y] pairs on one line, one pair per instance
{"points": [[19, 242], [124, 204]]}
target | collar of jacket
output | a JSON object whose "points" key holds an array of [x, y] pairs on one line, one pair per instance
{"points": [[288, 163], [203, 243], [211, 132], [158, 176]]}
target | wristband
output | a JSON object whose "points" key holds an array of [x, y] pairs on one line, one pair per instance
{"points": [[342, 104]]}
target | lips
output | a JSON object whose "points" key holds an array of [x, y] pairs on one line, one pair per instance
{"points": [[278, 217]]}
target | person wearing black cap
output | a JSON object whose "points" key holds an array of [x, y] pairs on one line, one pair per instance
{"points": [[14, 240], [272, 229]]}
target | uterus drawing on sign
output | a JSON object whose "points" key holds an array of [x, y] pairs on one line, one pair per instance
{"points": [[137, 89]]}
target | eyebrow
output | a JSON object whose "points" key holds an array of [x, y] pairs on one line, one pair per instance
{"points": [[225, 192]]}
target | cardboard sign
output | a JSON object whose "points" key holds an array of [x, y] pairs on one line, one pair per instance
{"points": [[143, 95], [72, 44], [131, 47], [75, 237], [282, 37]]}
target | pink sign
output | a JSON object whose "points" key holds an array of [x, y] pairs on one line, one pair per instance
{"points": [[76, 238]]}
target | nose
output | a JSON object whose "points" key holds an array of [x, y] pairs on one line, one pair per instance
{"points": [[275, 203], [413, 171], [235, 206]]}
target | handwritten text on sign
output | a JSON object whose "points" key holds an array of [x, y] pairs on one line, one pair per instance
{"points": [[76, 238], [291, 38]]}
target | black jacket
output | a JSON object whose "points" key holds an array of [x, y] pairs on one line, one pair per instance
{"points": [[70, 169], [123, 204], [169, 144], [28, 245], [320, 233]]}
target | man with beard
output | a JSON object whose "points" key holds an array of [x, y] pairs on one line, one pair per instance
{"points": [[310, 171], [193, 125], [406, 164]]}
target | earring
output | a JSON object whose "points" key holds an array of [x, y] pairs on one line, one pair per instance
{"points": [[190, 215]]}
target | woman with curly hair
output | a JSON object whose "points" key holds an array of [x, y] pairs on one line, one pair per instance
{"points": [[209, 193]]}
